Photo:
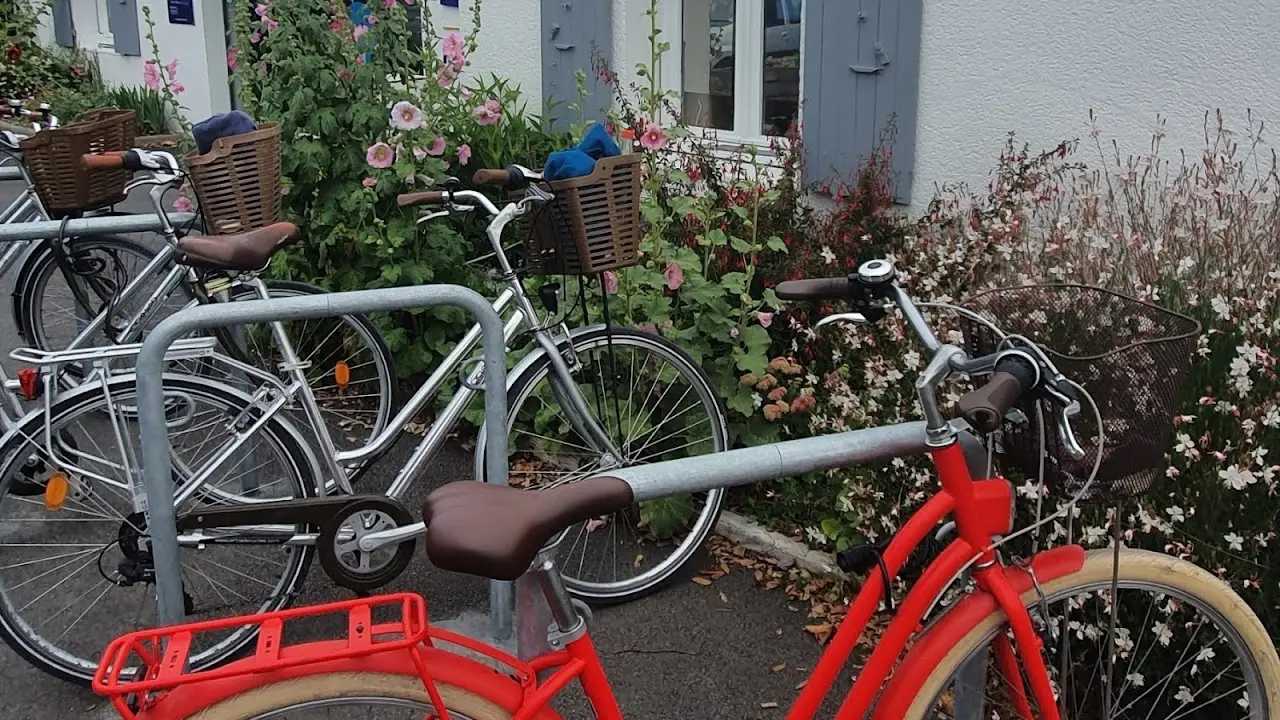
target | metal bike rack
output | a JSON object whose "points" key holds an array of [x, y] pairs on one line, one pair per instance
{"points": [[157, 481], [100, 225], [10, 172]]}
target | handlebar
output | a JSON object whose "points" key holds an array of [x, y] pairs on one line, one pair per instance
{"points": [[985, 407], [432, 197], [815, 290], [135, 160], [492, 177], [103, 161]]}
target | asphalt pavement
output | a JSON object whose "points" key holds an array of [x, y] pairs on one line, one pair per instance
{"points": [[729, 650]]}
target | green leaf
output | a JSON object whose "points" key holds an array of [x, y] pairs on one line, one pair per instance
{"points": [[830, 527], [716, 238], [752, 353], [742, 246], [741, 402], [776, 244]]}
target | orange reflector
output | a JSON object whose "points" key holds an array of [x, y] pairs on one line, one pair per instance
{"points": [[342, 374], [55, 493]]}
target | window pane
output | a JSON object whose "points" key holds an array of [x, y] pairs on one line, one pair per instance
{"points": [[707, 62], [781, 65]]}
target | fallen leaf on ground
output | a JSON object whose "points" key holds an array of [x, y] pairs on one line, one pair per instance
{"points": [[779, 667], [769, 705], [701, 580]]}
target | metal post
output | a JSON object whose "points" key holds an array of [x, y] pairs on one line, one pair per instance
{"points": [[156, 483]]}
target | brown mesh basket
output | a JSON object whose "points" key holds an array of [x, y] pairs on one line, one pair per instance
{"points": [[1133, 359], [53, 158], [237, 182], [592, 225]]}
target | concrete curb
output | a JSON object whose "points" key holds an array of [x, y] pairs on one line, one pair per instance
{"points": [[753, 536]]}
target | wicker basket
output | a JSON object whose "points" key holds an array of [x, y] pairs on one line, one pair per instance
{"points": [[237, 182], [1133, 359], [53, 157], [593, 224]]}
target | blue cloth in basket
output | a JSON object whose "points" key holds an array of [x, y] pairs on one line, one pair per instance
{"points": [[227, 124], [581, 161]]}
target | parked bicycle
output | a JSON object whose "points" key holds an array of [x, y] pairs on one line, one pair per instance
{"points": [[252, 496], [1065, 633]]}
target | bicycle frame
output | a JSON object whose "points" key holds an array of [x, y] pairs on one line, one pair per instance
{"points": [[524, 318]]}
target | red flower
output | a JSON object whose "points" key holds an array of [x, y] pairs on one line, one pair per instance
{"points": [[15, 53]]}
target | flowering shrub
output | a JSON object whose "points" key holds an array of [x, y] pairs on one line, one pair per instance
{"points": [[364, 118], [1198, 236]]}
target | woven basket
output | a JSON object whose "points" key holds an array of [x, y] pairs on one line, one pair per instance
{"points": [[593, 224], [53, 157], [238, 181]]}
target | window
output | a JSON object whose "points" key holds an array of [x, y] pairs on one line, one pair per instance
{"points": [[739, 69]]}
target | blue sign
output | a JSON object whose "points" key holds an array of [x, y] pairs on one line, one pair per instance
{"points": [[182, 12], [449, 3]]}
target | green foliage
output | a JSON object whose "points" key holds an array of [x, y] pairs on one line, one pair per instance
{"points": [[149, 105]]}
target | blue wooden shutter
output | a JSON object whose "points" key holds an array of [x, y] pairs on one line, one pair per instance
{"points": [[123, 17], [64, 32], [570, 31], [861, 72]]}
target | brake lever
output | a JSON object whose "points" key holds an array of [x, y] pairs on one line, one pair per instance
{"points": [[853, 318], [1069, 407], [450, 209]]}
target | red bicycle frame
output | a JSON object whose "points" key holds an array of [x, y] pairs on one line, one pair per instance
{"points": [[983, 509]]}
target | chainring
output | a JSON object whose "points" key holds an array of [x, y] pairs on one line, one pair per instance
{"points": [[355, 569]]}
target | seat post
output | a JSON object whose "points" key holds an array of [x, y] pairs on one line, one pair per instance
{"points": [[570, 624]]}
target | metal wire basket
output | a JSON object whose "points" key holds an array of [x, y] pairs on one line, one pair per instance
{"points": [[1132, 358]]}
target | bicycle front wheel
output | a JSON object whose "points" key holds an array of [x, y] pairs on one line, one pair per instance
{"points": [[75, 561], [1185, 646], [655, 404], [347, 696]]}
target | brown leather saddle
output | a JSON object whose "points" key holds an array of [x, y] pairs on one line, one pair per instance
{"points": [[495, 531], [240, 251]]}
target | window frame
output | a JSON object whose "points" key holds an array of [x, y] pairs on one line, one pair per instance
{"points": [[97, 38], [748, 77]]}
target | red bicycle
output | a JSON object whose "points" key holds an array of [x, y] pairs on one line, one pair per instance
{"points": [[1065, 633]]}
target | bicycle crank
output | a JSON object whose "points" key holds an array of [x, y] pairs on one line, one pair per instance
{"points": [[339, 545]]}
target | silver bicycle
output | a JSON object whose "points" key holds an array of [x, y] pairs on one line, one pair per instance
{"points": [[255, 503]]}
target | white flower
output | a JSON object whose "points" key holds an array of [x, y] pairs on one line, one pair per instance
{"points": [[1206, 653], [1186, 446], [1234, 541], [1243, 702], [1236, 478], [1175, 513], [1220, 306], [1135, 679], [1163, 633], [1184, 695], [827, 255]]}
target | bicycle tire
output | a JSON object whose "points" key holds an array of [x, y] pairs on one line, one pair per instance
{"points": [[602, 594], [303, 693], [1139, 567], [382, 358], [32, 284], [43, 653]]}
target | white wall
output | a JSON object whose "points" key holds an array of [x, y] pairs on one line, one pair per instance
{"points": [[200, 50], [1037, 68], [510, 42]]}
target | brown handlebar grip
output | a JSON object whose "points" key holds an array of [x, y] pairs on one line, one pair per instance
{"points": [[491, 177], [986, 406], [431, 197], [815, 289], [103, 161]]}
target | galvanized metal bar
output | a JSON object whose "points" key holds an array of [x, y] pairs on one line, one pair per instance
{"points": [[104, 225], [156, 482], [769, 462], [11, 172]]}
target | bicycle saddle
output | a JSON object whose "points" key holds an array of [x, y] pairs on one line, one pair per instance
{"points": [[495, 531], [240, 251]]}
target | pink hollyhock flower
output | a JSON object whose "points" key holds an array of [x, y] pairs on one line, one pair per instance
{"points": [[765, 318], [177, 88], [419, 153], [437, 147], [380, 155], [183, 204], [359, 32], [151, 74], [372, 19], [360, 59], [675, 276], [610, 282], [172, 68], [405, 115], [457, 62], [232, 54], [335, 25], [453, 45], [653, 138], [464, 154], [272, 25], [466, 94], [255, 37], [446, 76], [260, 10], [489, 113], [388, 4], [368, 182]]}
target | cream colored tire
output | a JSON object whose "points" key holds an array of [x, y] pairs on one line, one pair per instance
{"points": [[333, 686], [1136, 566]]}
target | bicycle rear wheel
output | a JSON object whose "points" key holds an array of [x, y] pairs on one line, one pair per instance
{"points": [[655, 404], [348, 696], [1169, 662]]}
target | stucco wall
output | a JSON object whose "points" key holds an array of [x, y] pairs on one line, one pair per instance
{"points": [[509, 44], [1038, 68]]}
